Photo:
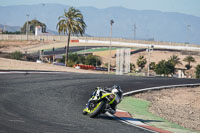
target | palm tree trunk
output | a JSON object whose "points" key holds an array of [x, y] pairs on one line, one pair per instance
{"points": [[67, 49]]}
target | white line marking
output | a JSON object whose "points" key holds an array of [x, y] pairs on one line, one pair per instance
{"points": [[118, 110], [134, 123], [160, 87], [140, 45], [26, 72], [126, 122]]}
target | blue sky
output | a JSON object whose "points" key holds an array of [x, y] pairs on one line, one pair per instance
{"points": [[182, 6]]}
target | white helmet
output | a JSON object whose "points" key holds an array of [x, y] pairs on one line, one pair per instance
{"points": [[117, 90]]}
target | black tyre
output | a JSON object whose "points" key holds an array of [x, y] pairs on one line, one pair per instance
{"points": [[97, 109]]}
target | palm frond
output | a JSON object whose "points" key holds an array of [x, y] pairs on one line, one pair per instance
{"points": [[71, 22]]}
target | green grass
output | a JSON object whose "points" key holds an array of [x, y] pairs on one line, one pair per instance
{"points": [[89, 50], [99, 49], [139, 110], [95, 50]]}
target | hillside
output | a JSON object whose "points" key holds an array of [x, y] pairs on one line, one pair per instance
{"points": [[10, 28], [161, 26]]}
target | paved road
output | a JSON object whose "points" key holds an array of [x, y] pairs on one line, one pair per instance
{"points": [[53, 103], [79, 48]]}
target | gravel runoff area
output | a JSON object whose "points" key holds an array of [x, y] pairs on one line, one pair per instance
{"points": [[10, 64], [180, 105]]}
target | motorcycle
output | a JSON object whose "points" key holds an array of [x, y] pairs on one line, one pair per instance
{"points": [[99, 102]]}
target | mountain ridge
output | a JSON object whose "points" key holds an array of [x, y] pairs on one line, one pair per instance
{"points": [[150, 24]]}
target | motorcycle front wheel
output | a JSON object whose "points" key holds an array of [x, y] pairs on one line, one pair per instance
{"points": [[96, 109]]}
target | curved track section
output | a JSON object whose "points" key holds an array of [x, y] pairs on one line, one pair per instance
{"points": [[53, 103], [71, 49]]}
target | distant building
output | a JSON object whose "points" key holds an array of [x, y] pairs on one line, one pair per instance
{"points": [[41, 31], [38, 30]]}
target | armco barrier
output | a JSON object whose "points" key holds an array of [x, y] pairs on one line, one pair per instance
{"points": [[87, 67], [135, 122], [35, 38], [159, 88], [64, 38]]}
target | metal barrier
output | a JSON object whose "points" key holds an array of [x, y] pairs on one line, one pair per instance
{"points": [[64, 38]]}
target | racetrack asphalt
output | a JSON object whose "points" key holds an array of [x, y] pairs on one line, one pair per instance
{"points": [[53, 103], [71, 49]]}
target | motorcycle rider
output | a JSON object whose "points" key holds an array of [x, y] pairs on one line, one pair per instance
{"points": [[115, 89]]}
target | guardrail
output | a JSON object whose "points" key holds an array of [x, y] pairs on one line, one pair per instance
{"points": [[64, 38], [159, 88], [34, 38], [143, 45]]}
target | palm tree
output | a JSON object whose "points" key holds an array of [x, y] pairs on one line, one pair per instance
{"points": [[189, 59], [72, 23], [175, 60]]}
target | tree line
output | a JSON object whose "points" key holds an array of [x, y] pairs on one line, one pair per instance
{"points": [[72, 23], [167, 67]]}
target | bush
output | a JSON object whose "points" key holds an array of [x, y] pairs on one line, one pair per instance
{"points": [[74, 58], [152, 66], [106, 65], [70, 64], [81, 59], [141, 62], [93, 60], [132, 67], [61, 60], [31, 58], [165, 67], [197, 72], [17, 55]]}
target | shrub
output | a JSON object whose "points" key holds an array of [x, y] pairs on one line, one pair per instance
{"points": [[70, 63], [132, 67], [61, 60], [31, 58], [17, 55], [152, 66], [106, 65], [81, 59], [197, 72], [141, 62], [74, 58], [93, 60], [165, 67]]}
